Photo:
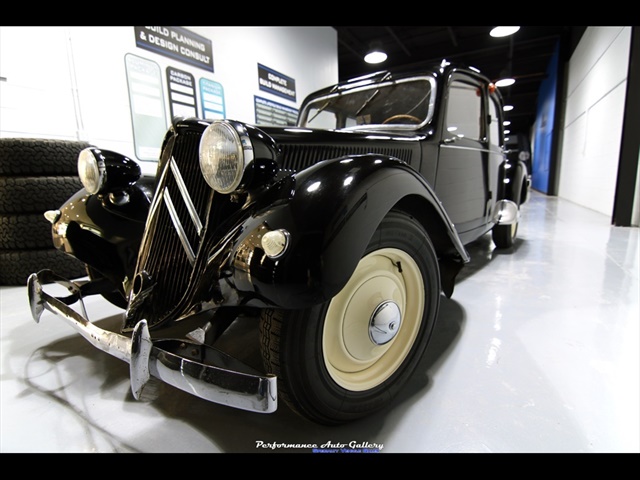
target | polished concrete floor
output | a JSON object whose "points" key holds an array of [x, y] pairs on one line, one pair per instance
{"points": [[538, 351]]}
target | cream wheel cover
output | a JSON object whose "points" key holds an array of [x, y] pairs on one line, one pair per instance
{"points": [[353, 357]]}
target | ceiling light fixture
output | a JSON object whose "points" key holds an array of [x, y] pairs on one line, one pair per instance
{"points": [[503, 31], [505, 82], [375, 54]]}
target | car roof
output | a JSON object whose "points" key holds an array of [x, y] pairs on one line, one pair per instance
{"points": [[437, 70]]}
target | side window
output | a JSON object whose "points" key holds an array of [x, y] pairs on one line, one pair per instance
{"points": [[495, 128], [464, 110]]}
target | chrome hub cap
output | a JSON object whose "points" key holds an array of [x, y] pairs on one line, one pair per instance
{"points": [[373, 322], [385, 323]]}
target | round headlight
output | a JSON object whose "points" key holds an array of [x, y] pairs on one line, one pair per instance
{"points": [[224, 154], [91, 170]]}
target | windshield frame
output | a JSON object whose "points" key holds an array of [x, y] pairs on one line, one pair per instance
{"points": [[373, 88]]}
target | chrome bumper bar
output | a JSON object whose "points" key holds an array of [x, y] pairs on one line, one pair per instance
{"points": [[197, 369]]}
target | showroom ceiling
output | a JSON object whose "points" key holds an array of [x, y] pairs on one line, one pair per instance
{"points": [[526, 53]]}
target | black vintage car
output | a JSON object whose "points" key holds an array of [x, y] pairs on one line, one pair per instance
{"points": [[340, 234]]}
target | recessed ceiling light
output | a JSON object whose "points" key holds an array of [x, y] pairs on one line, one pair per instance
{"points": [[375, 53], [375, 56], [505, 82], [503, 31], [507, 108]]}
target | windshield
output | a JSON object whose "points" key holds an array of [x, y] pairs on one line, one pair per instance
{"points": [[402, 104]]}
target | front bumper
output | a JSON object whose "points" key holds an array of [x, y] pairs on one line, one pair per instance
{"points": [[201, 370]]}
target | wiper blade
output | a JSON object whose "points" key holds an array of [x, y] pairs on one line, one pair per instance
{"points": [[373, 95], [319, 111], [367, 102]]}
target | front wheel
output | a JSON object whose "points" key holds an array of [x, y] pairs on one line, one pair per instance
{"points": [[349, 357]]}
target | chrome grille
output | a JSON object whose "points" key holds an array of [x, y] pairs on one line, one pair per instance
{"points": [[174, 231], [299, 157], [178, 220]]}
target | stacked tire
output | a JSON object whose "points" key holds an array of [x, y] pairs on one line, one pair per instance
{"points": [[36, 175]]}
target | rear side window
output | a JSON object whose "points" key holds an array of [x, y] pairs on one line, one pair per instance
{"points": [[495, 128], [464, 110]]}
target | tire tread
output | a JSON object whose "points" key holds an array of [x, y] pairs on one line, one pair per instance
{"points": [[17, 265], [39, 156]]}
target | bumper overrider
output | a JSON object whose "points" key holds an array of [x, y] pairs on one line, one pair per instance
{"points": [[198, 369]]}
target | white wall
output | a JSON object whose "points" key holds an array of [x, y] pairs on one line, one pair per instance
{"points": [[70, 82], [307, 54], [635, 213], [36, 96], [594, 115]]}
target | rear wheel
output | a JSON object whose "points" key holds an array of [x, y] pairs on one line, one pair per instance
{"points": [[504, 235], [350, 356]]}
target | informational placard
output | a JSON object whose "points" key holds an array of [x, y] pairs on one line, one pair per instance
{"points": [[276, 83], [212, 99], [182, 93], [148, 113], [177, 43], [273, 113]]}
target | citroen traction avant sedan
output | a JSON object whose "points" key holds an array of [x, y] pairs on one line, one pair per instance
{"points": [[339, 234]]}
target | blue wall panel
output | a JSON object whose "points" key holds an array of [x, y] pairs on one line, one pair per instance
{"points": [[543, 137]]}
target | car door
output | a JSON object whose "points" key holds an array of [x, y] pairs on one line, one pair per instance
{"points": [[497, 153], [462, 182]]}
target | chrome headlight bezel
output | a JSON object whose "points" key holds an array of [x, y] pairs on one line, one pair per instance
{"points": [[92, 170], [105, 171], [225, 152]]}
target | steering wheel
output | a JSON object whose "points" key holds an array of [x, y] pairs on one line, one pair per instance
{"points": [[402, 116]]}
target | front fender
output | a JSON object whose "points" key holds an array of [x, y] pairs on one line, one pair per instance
{"points": [[103, 233], [332, 211]]}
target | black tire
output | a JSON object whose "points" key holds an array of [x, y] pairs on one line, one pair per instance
{"points": [[307, 350], [39, 157], [25, 232], [35, 194], [17, 265], [504, 235]]}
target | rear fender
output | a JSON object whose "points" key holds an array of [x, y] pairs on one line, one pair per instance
{"points": [[514, 185]]}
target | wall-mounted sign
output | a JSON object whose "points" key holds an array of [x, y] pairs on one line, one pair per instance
{"points": [[177, 43], [212, 99], [273, 113], [146, 99], [276, 83], [182, 93]]}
